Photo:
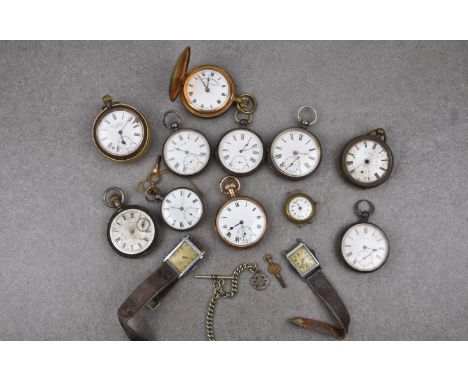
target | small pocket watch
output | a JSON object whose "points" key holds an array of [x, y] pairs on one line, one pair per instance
{"points": [[241, 222], [120, 132], [300, 208], [240, 151], [181, 208], [295, 153], [367, 160], [131, 231], [206, 91], [186, 152], [364, 245]]}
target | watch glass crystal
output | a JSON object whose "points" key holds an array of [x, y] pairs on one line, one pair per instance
{"points": [[184, 255], [302, 259]]}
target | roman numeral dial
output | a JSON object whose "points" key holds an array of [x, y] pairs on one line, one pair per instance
{"points": [[240, 152], [295, 153], [182, 209]]}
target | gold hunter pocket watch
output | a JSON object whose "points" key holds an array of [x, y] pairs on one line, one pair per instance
{"points": [[295, 153], [300, 208], [241, 222], [186, 151], [364, 246], [206, 91], [240, 151], [120, 132], [367, 160], [131, 231]]}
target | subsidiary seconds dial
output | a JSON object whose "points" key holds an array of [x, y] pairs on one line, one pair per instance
{"points": [[182, 209]]}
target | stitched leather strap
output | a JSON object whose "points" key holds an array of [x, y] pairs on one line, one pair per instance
{"points": [[150, 290], [327, 293]]}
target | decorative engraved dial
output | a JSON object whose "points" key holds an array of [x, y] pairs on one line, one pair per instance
{"points": [[364, 247], [367, 161], [295, 153], [302, 259], [207, 90], [240, 151], [241, 222], [132, 231], [186, 152], [182, 209], [120, 132]]}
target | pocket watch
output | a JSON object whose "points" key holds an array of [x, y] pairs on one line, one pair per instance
{"points": [[186, 152], [295, 153], [206, 91], [240, 151], [181, 209], [120, 132], [300, 208], [241, 222], [364, 245], [131, 231], [367, 160]]}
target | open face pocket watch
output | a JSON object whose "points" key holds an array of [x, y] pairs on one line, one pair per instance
{"points": [[131, 231], [241, 222], [186, 151], [364, 245], [367, 160], [300, 208], [206, 91], [295, 153], [120, 132], [240, 151]]}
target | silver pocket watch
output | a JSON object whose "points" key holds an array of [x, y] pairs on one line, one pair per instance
{"points": [[240, 151], [295, 153], [131, 232], [186, 152]]}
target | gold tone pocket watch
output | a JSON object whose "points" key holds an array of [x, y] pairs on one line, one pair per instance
{"points": [[295, 153], [206, 91], [367, 160], [241, 222], [120, 132]]}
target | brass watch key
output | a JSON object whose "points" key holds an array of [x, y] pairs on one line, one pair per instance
{"points": [[274, 269]]}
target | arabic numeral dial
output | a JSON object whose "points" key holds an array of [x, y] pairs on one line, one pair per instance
{"points": [[295, 153]]}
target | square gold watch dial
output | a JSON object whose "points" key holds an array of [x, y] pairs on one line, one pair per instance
{"points": [[183, 257], [302, 259]]}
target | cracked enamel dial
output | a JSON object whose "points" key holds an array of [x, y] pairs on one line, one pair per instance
{"points": [[364, 247], [207, 90], [241, 222], [182, 209], [367, 161], [240, 152], [295, 153], [131, 232], [186, 152]]}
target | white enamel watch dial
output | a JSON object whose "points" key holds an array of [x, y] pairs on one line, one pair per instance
{"points": [[131, 232], [241, 222], [207, 90], [295, 153], [367, 161], [186, 152], [120, 133], [300, 208], [182, 209], [364, 247], [240, 151]]}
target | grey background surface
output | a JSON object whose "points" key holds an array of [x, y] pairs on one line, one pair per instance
{"points": [[59, 279]]}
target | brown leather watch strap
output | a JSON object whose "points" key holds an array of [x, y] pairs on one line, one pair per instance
{"points": [[319, 283], [149, 291]]}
